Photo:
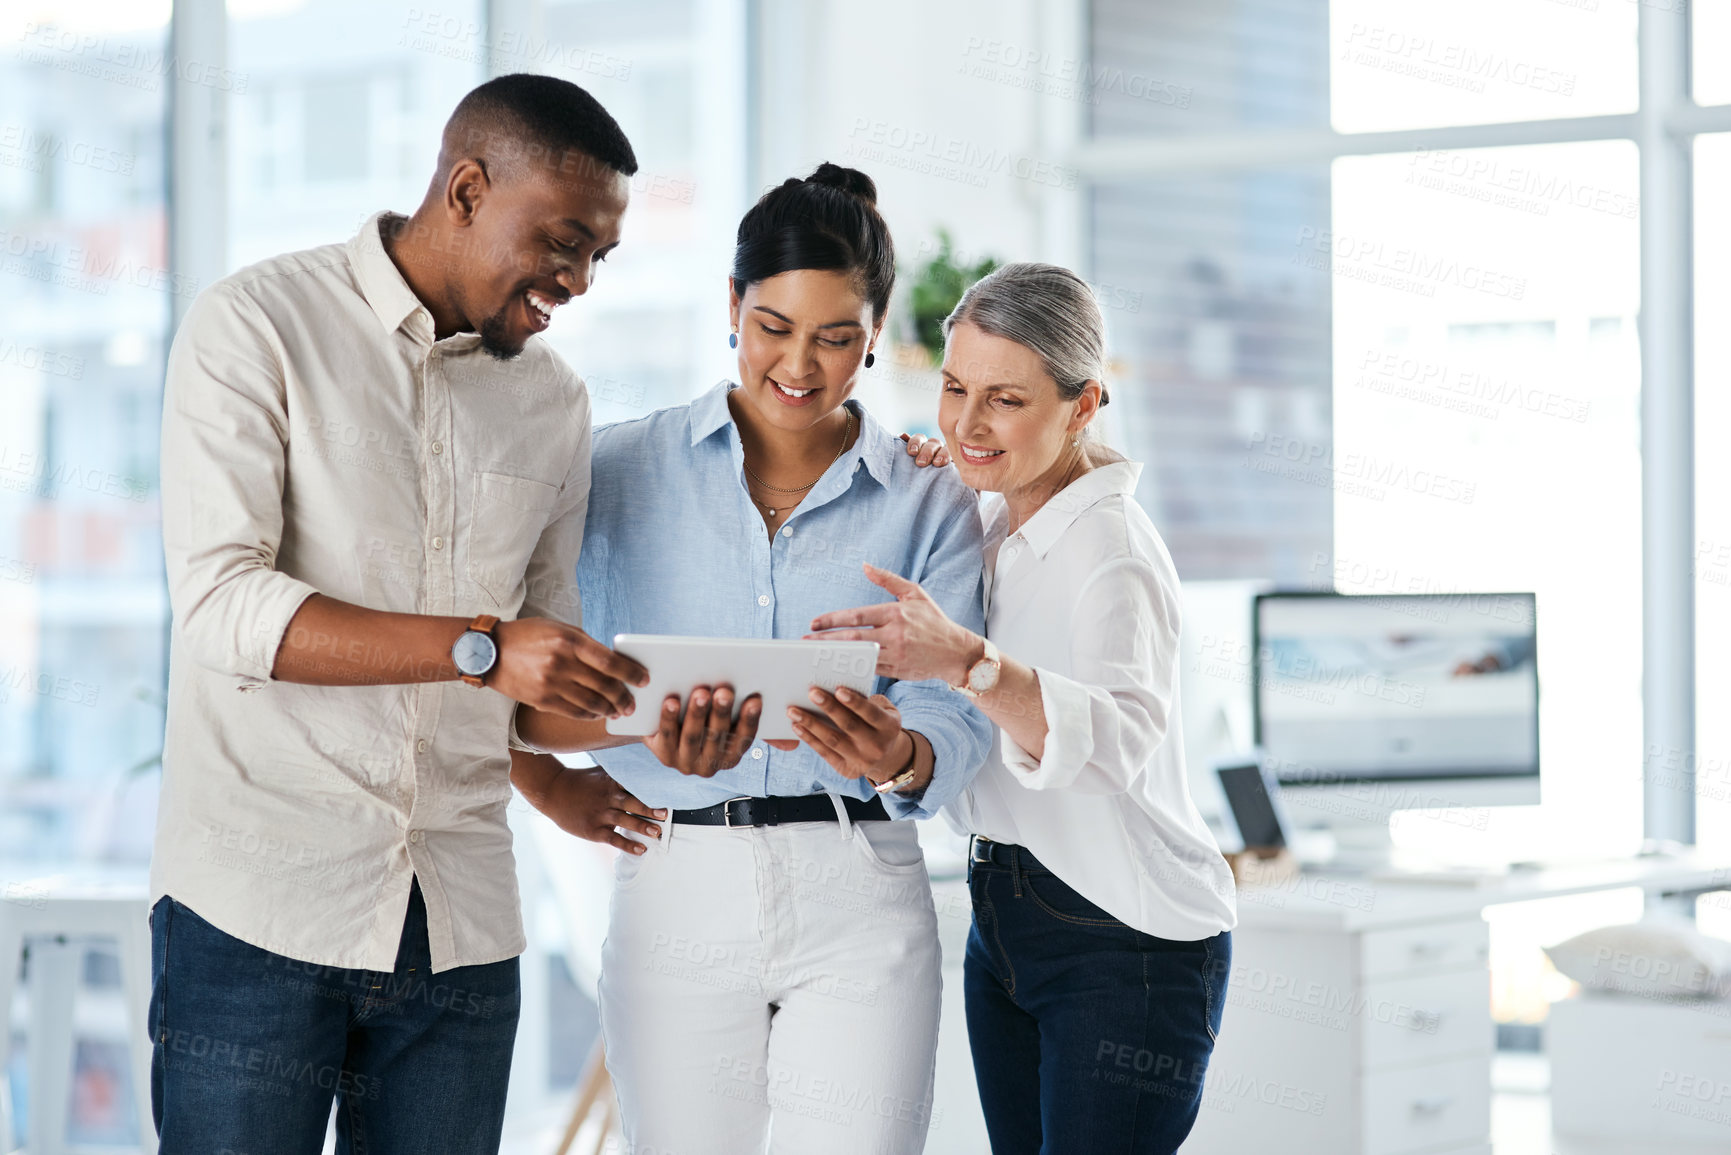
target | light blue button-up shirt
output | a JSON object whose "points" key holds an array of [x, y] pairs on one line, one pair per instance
{"points": [[674, 545]]}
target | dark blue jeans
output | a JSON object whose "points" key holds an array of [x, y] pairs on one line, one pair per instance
{"points": [[251, 1047], [1089, 1037]]}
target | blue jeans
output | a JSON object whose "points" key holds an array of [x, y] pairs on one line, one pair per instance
{"points": [[1089, 1037], [251, 1047]]}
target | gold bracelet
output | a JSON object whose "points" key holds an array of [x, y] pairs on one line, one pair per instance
{"points": [[906, 774]]}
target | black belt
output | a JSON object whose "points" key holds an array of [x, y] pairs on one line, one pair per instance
{"points": [[1003, 854], [780, 810]]}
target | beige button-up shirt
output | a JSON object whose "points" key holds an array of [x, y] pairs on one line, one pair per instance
{"points": [[316, 438]]}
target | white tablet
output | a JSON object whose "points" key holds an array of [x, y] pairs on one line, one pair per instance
{"points": [[782, 671]]}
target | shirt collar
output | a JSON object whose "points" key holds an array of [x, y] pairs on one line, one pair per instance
{"points": [[709, 412], [382, 283], [874, 445], [1049, 522]]}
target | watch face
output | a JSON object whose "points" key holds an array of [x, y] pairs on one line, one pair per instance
{"points": [[474, 653], [983, 676]]}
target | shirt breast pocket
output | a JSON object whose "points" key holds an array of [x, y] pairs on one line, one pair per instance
{"points": [[506, 517]]}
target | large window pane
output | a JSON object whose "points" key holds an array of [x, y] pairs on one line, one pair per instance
{"points": [[327, 129], [653, 330], [87, 298], [87, 291], [1713, 497], [1486, 436], [1186, 67], [1417, 64], [1223, 337], [1710, 33]]}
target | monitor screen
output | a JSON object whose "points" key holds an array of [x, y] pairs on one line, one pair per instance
{"points": [[1354, 687]]}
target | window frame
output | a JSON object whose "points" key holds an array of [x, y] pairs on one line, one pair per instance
{"points": [[1663, 127]]}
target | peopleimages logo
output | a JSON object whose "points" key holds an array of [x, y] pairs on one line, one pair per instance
{"points": [[121, 61]]}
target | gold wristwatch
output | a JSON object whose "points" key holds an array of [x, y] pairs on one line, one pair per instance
{"points": [[983, 674]]}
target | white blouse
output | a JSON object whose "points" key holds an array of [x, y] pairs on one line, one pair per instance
{"points": [[1086, 594]]}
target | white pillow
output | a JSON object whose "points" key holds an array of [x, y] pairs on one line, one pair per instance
{"points": [[1654, 957]]}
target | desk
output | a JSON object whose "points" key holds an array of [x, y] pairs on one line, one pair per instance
{"points": [[1358, 1012]]}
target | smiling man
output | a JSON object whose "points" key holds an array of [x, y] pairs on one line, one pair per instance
{"points": [[374, 483]]}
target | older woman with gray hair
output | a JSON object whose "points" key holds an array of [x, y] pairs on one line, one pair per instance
{"points": [[1097, 962]]}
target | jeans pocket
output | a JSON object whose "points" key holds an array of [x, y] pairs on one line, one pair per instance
{"points": [[161, 924], [1058, 899], [1215, 964]]}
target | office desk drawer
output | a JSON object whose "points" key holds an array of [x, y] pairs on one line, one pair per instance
{"points": [[1436, 947], [1426, 1019], [1422, 1108]]}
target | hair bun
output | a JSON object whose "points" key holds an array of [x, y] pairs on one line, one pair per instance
{"points": [[848, 180]]}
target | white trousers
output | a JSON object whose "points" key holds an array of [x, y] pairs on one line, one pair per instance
{"points": [[776, 986]]}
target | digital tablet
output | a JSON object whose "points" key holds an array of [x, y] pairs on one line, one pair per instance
{"points": [[782, 671]]}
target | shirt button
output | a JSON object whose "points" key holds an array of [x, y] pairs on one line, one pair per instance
{"points": [[763, 599], [787, 531], [438, 448], [415, 837], [757, 751], [438, 543], [421, 746]]}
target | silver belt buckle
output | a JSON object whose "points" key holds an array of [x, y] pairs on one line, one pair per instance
{"points": [[727, 815], [980, 851]]}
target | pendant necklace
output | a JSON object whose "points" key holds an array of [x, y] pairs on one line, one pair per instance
{"points": [[762, 484]]}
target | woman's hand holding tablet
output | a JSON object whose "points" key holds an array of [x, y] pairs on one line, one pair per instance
{"points": [[708, 739], [860, 737], [779, 671]]}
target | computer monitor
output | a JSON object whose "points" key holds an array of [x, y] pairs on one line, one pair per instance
{"points": [[1365, 704]]}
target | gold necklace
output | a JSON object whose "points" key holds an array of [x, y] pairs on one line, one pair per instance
{"points": [[845, 436]]}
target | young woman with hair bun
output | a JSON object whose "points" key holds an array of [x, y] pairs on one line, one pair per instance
{"points": [[771, 971]]}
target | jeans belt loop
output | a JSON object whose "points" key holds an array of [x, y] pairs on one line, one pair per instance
{"points": [[1016, 869]]}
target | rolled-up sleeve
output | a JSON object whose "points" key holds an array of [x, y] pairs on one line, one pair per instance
{"points": [[224, 459], [1104, 724], [551, 589], [960, 734]]}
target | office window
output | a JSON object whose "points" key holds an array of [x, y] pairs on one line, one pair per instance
{"points": [[84, 274], [1486, 393], [1412, 64], [1180, 68], [328, 130], [1710, 35], [653, 331], [1222, 334], [1713, 497]]}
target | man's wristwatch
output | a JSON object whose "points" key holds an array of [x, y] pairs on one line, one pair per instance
{"points": [[903, 777], [475, 653], [983, 674]]}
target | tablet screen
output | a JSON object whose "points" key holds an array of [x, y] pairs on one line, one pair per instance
{"points": [[782, 671]]}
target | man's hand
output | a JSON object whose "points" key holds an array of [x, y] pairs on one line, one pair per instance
{"points": [[708, 741], [560, 669], [584, 802]]}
